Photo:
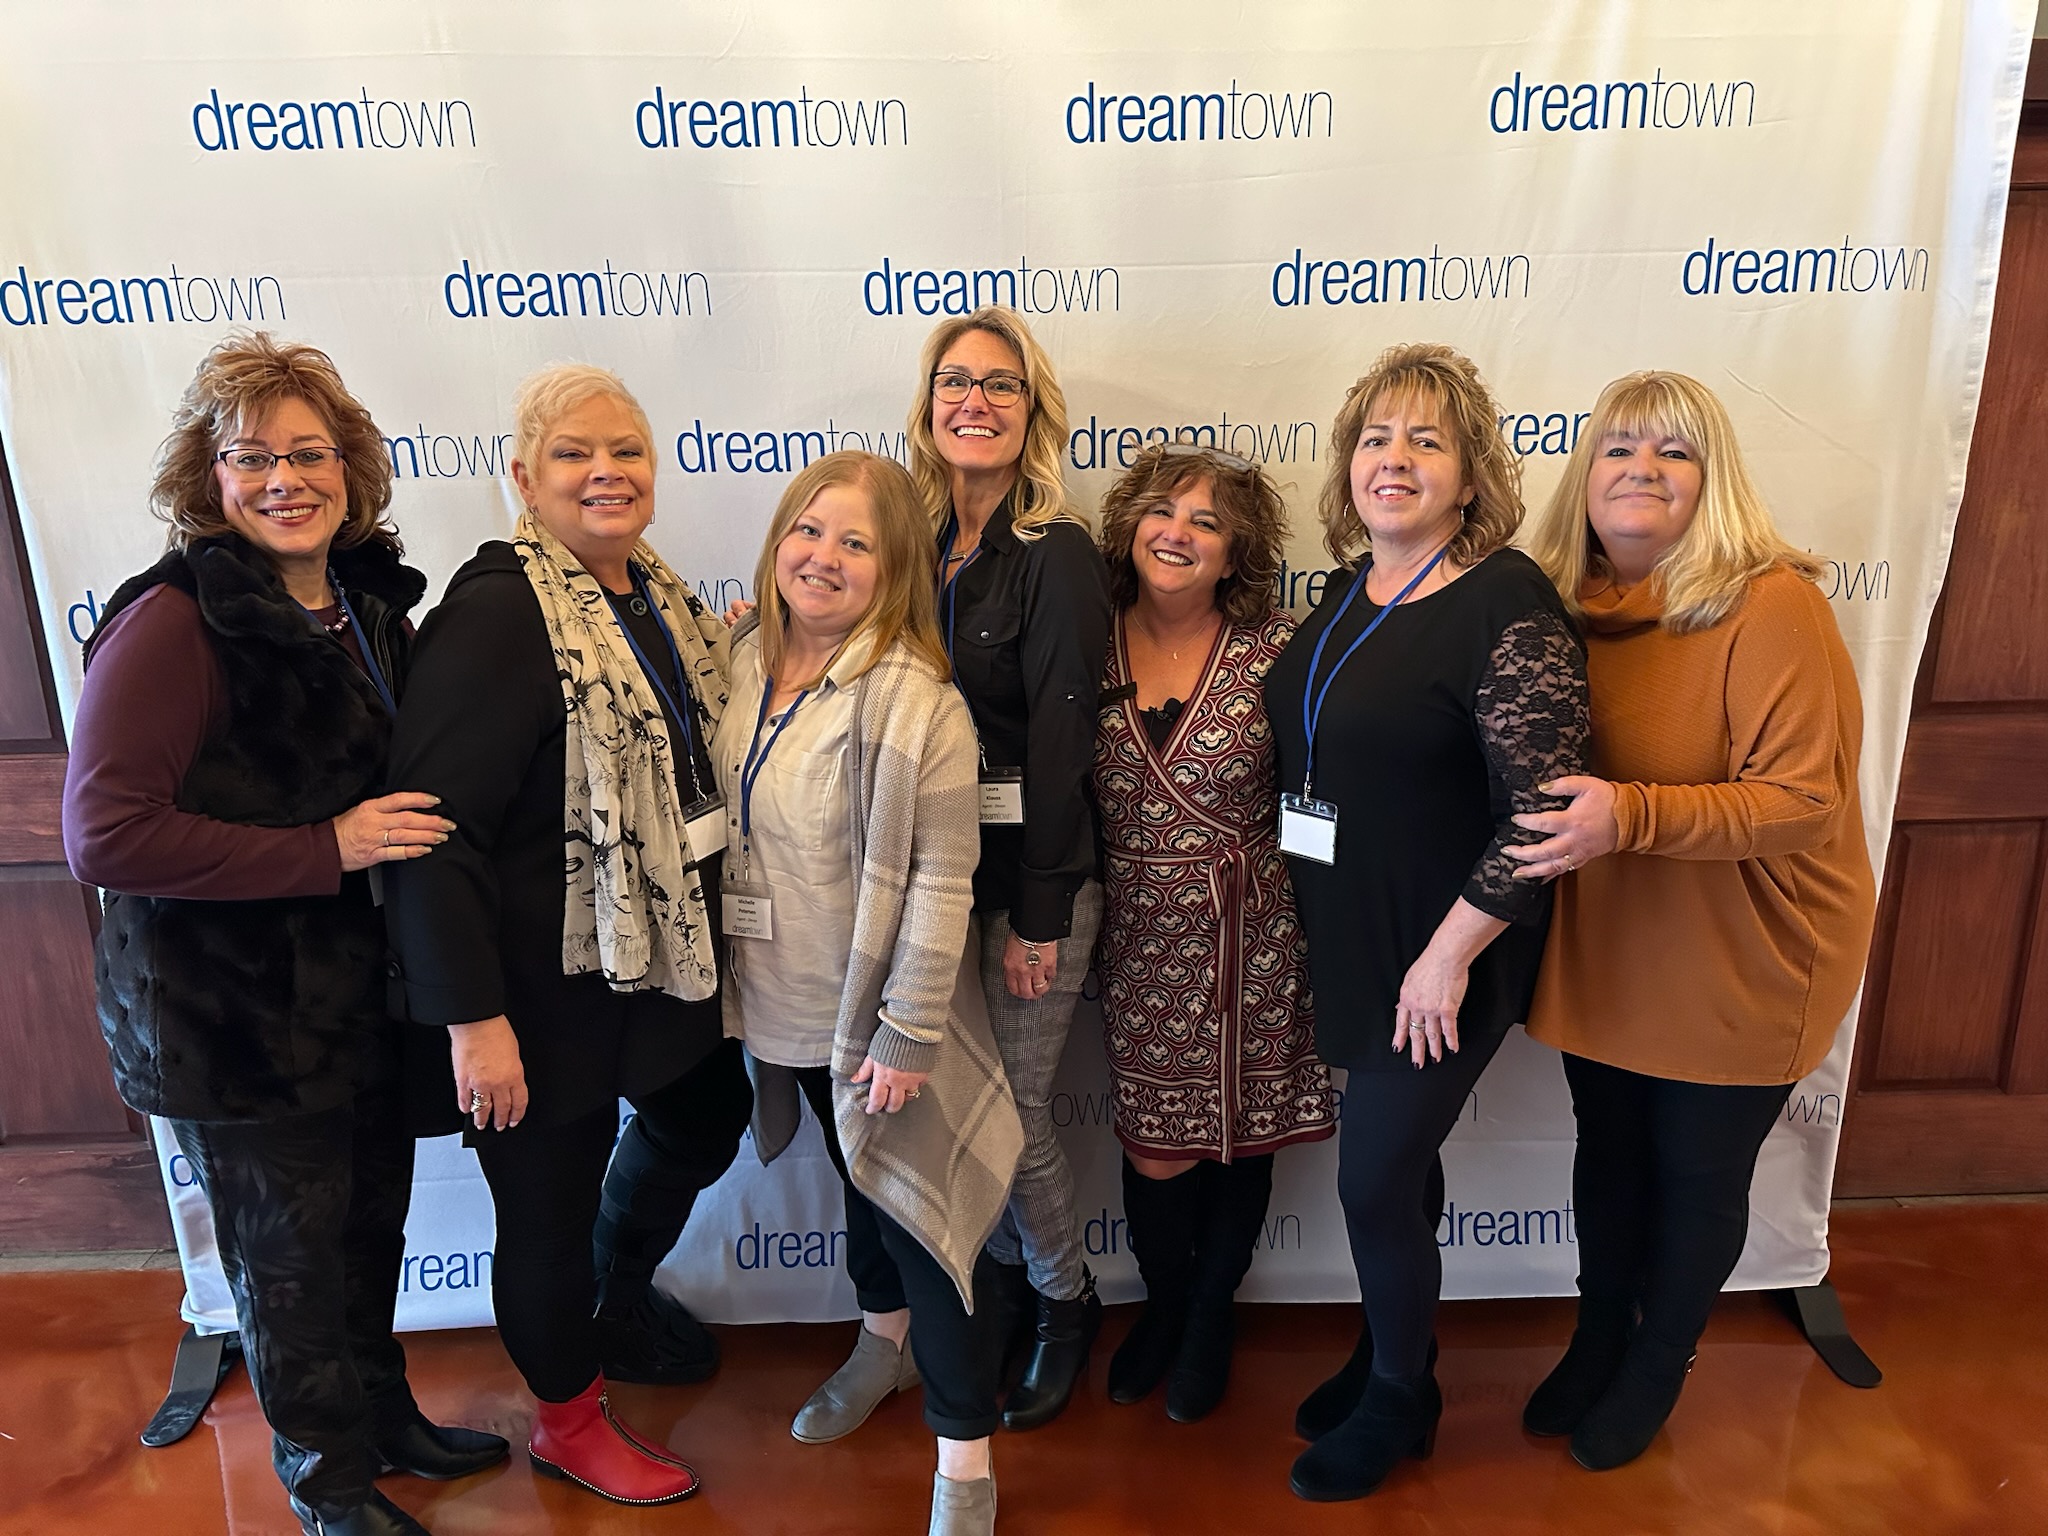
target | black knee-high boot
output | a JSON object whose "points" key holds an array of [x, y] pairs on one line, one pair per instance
{"points": [[643, 1335], [1237, 1199], [1162, 1217]]}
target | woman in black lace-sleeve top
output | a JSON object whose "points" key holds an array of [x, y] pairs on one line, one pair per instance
{"points": [[1452, 687]]}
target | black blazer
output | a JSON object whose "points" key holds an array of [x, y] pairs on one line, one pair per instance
{"points": [[476, 926]]}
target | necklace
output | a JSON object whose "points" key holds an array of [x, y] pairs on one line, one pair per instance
{"points": [[1207, 634]]}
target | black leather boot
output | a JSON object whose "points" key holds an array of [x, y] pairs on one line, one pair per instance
{"points": [[1162, 1216], [376, 1516], [642, 1335], [1016, 1317], [1065, 1330], [441, 1452], [1238, 1196], [1591, 1362], [1620, 1427], [1395, 1418]]}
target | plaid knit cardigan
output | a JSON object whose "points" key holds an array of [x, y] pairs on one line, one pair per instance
{"points": [[941, 1166]]}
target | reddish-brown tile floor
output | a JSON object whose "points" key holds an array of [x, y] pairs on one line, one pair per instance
{"points": [[1950, 1299]]}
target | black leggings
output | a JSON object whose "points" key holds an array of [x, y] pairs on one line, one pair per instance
{"points": [[545, 1182], [1390, 1180], [958, 1355], [1661, 1185]]}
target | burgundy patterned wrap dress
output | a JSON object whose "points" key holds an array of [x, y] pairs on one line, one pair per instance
{"points": [[1208, 1023]]}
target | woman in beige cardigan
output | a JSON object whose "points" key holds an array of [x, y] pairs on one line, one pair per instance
{"points": [[848, 766], [1716, 895]]}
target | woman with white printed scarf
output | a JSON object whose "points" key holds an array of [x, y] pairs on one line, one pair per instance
{"points": [[564, 695]]}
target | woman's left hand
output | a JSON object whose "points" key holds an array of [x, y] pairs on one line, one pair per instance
{"points": [[1580, 833], [889, 1089], [1426, 1016], [1025, 977]]}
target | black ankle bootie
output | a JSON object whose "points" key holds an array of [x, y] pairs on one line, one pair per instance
{"points": [[1162, 1216], [1395, 1418], [1066, 1329], [1591, 1362], [1620, 1427], [1331, 1403]]}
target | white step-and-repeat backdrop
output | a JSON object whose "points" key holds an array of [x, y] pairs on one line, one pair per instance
{"points": [[1214, 216]]}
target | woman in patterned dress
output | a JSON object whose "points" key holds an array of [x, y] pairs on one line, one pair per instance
{"points": [[1206, 1007]]}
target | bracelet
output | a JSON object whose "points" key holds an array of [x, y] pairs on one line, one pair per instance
{"points": [[1031, 955]]}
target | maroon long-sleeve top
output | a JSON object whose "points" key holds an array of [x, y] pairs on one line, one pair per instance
{"points": [[154, 693]]}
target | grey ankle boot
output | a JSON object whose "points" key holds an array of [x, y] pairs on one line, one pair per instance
{"points": [[963, 1509], [874, 1371]]}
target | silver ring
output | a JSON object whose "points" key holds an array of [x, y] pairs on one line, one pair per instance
{"points": [[387, 837], [476, 1100], [1570, 863]]}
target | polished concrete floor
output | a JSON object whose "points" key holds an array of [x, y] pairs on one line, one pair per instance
{"points": [[1951, 1299]]}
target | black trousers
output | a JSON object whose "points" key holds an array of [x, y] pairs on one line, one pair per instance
{"points": [[309, 1216], [545, 1185], [958, 1355], [1661, 1185], [1390, 1181]]}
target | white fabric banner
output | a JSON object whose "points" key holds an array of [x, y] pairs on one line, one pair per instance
{"points": [[756, 213]]}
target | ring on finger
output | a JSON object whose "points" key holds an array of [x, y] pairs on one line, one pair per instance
{"points": [[387, 837]]}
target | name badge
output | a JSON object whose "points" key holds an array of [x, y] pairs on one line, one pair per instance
{"points": [[1308, 828], [1002, 797], [704, 829], [748, 910]]}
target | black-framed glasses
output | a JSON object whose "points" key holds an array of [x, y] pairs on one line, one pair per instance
{"points": [[954, 385], [1207, 455], [255, 463]]}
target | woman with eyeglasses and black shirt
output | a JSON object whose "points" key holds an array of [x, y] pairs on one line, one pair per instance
{"points": [[1024, 606]]}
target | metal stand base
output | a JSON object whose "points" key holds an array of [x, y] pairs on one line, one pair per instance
{"points": [[1818, 1312], [202, 1364]]}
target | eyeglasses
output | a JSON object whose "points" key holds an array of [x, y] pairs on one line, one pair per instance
{"points": [[952, 386], [1207, 455], [254, 463]]}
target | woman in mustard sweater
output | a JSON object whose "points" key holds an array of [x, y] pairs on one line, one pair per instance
{"points": [[1716, 895]]}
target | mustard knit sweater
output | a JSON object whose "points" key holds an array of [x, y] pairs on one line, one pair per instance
{"points": [[1724, 939]]}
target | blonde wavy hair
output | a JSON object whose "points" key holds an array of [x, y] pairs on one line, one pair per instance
{"points": [[906, 565], [1732, 539], [1042, 494], [237, 384], [1447, 383]]}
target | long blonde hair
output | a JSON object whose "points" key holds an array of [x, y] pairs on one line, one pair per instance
{"points": [[1444, 380], [905, 563], [1041, 494], [1732, 539]]}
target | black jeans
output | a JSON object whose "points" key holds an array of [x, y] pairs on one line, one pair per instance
{"points": [[309, 1216], [1390, 1181], [545, 1184], [958, 1355], [1661, 1185]]}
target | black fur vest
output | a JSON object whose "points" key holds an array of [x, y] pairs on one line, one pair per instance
{"points": [[254, 1010]]}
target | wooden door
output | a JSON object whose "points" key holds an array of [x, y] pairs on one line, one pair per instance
{"points": [[1949, 1093], [75, 1171]]}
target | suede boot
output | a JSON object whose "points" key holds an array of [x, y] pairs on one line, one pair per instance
{"points": [[1395, 1418], [1620, 1427], [1066, 1329], [642, 1334], [1590, 1364], [963, 1508], [1162, 1217], [1237, 1198]]}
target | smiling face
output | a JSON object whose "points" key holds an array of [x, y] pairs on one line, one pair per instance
{"points": [[1180, 545], [1407, 481], [973, 436], [825, 566], [593, 484], [289, 513], [1641, 494]]}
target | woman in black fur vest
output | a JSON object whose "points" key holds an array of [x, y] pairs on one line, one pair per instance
{"points": [[223, 785]]}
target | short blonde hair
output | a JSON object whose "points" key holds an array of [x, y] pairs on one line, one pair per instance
{"points": [[544, 398], [1041, 497], [1253, 515], [1446, 381], [1732, 539], [237, 384], [906, 564]]}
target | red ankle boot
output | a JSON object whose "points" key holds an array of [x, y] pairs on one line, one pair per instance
{"points": [[582, 1442]]}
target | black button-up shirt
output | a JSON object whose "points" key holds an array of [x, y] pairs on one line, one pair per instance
{"points": [[1027, 625]]}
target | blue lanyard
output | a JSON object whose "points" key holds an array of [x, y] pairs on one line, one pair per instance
{"points": [[950, 590], [680, 711], [1312, 697], [757, 753], [363, 644]]}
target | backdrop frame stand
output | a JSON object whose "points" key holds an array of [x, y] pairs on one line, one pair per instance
{"points": [[1817, 1310], [201, 1364]]}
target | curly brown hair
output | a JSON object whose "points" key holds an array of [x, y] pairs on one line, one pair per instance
{"points": [[236, 385], [1253, 515], [1449, 382]]}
